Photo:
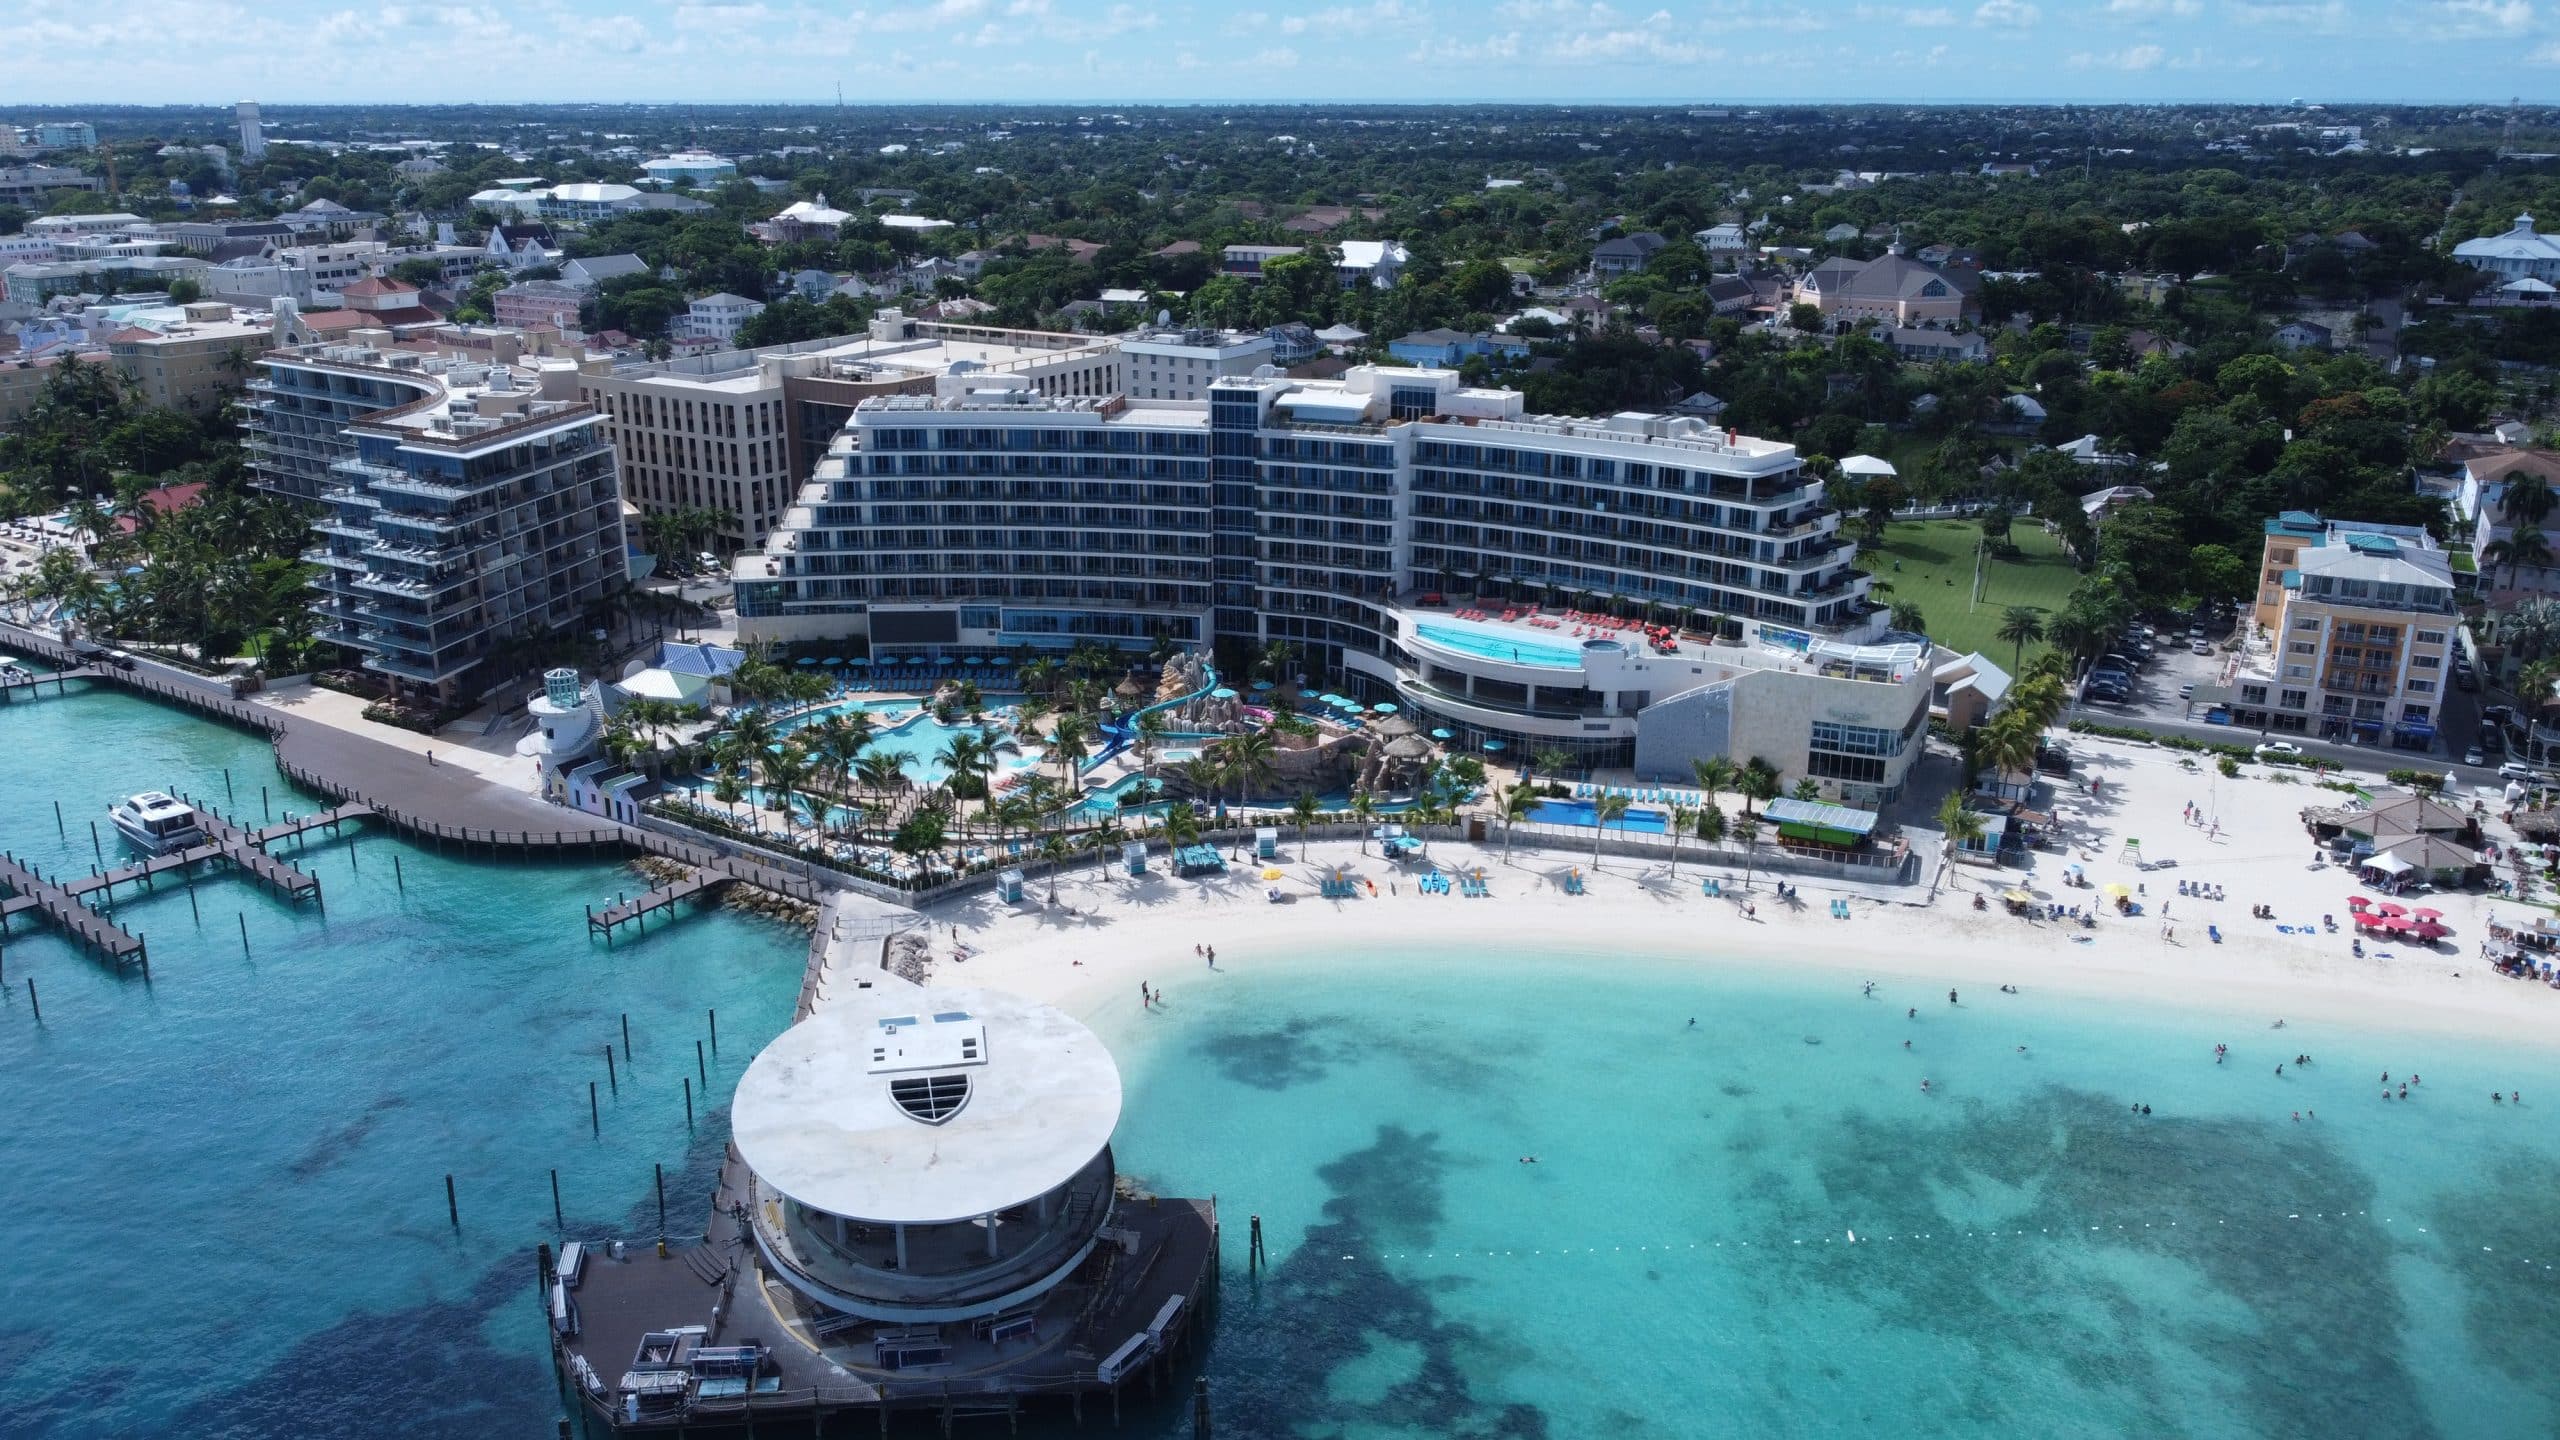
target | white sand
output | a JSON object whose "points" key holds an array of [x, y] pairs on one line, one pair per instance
{"points": [[1125, 932]]}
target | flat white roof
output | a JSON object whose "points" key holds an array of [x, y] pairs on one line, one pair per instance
{"points": [[818, 1119]]}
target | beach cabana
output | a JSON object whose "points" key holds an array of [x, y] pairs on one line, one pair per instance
{"points": [[1133, 858], [1009, 887], [1266, 842], [1814, 822]]}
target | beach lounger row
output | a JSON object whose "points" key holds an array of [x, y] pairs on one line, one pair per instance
{"points": [[1646, 794], [1573, 882], [1434, 883], [1473, 887]]}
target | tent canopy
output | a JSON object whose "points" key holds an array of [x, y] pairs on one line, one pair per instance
{"points": [[2389, 865]]}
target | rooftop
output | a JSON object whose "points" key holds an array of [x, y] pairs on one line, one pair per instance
{"points": [[926, 1107]]}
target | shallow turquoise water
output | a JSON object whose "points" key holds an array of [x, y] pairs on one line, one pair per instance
{"points": [[2032, 1257], [227, 1211]]}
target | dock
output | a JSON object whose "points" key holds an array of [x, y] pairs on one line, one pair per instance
{"points": [[31, 891], [29, 688], [695, 881]]}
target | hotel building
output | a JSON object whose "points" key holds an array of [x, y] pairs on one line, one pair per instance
{"points": [[1340, 517], [466, 504], [733, 431], [2358, 643]]}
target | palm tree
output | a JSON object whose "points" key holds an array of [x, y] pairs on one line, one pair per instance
{"points": [[1606, 810], [1181, 824], [1711, 825], [1151, 728], [1906, 616], [2528, 632], [1749, 828], [968, 760], [2021, 626], [2075, 632], [837, 743], [1517, 801], [2527, 547], [1364, 808], [785, 774], [1249, 761], [883, 772], [1552, 763], [1682, 818], [1961, 826], [1758, 783], [1304, 810], [1055, 850], [1067, 745], [1713, 774], [2528, 499]]}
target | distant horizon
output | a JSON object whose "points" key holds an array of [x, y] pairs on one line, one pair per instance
{"points": [[1637, 102], [1377, 52]]}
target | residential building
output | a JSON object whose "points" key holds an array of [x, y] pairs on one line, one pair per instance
{"points": [[2361, 642], [1345, 517], [253, 140], [64, 135], [2302, 335], [15, 249], [23, 376], [1913, 342], [34, 185], [1293, 343], [1248, 260], [1625, 255], [468, 506], [736, 430], [586, 201], [1447, 349], [716, 317], [1894, 288], [689, 167], [2481, 504], [329, 220], [204, 237], [34, 282], [1181, 364], [1369, 262], [2523, 253], [520, 247], [807, 220], [527, 303], [1723, 242], [594, 270], [192, 361], [59, 228]]}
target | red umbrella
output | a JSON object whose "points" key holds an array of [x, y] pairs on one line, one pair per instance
{"points": [[2430, 930], [2357, 902], [2428, 914], [2390, 909]]}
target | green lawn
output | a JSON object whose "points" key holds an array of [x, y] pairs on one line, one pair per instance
{"points": [[1930, 563]]}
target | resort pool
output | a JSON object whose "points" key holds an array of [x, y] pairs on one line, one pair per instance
{"points": [[1581, 812], [1501, 645]]}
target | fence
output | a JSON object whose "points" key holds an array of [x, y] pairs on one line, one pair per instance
{"points": [[1881, 868]]}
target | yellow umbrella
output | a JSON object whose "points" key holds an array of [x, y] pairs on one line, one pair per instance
{"points": [[2116, 892], [1271, 872], [2016, 896]]}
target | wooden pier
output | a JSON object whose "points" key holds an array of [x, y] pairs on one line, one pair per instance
{"points": [[695, 881], [57, 903], [12, 691]]}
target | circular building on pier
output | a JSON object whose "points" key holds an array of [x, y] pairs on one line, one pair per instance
{"points": [[928, 1155]]}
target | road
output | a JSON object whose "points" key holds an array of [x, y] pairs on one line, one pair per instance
{"points": [[2352, 757]]}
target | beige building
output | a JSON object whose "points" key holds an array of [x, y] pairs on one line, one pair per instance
{"points": [[2362, 641], [1893, 288], [738, 431], [193, 363]]}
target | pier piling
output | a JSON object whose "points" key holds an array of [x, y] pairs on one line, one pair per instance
{"points": [[195, 913], [595, 1117], [715, 1031], [626, 1033], [452, 1206], [244, 934], [556, 1222], [264, 811], [57, 819], [610, 1077], [397, 878], [32, 1002], [228, 798], [688, 1102], [1199, 1410], [662, 1204], [1253, 1247], [94, 847], [700, 1068]]}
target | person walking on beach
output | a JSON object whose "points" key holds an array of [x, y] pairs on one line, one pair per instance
{"points": [[1951, 997], [1212, 953], [1146, 998]]}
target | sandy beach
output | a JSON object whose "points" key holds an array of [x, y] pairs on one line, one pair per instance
{"points": [[1109, 933]]}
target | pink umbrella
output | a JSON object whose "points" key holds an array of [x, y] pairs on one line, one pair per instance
{"points": [[2389, 909], [2357, 902], [2430, 930], [2425, 914]]}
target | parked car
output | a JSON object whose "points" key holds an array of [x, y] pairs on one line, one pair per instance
{"points": [[2053, 760], [2473, 756], [2463, 679], [2279, 750], [2195, 632], [2200, 646], [2187, 691], [2492, 741], [2518, 770]]}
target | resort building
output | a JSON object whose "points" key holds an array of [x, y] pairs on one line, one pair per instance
{"points": [[689, 167], [1893, 288], [1180, 364], [2361, 644], [736, 430], [2523, 253], [1342, 517], [467, 505], [2480, 504], [189, 361], [928, 1156]]}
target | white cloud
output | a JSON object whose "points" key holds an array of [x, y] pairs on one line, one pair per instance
{"points": [[1931, 18], [2545, 55], [2154, 9], [2014, 14], [2134, 58], [1278, 58], [2477, 19], [2311, 14]]}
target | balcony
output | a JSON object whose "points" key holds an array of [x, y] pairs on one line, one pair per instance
{"points": [[324, 556], [407, 669]]}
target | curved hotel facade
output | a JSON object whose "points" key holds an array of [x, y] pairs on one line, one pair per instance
{"points": [[1342, 516]]}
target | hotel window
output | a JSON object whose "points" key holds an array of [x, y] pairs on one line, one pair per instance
{"points": [[2291, 699]]}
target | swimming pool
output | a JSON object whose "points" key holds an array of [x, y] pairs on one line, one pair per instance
{"points": [[1501, 645], [1581, 812]]}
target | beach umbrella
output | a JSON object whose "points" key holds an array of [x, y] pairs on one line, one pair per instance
{"points": [[861, 660], [1383, 708], [2358, 902], [1222, 693], [1271, 872], [1495, 745], [806, 660], [1441, 734], [2430, 930], [2117, 891], [1261, 685], [2016, 896], [834, 660], [2392, 910], [2425, 914]]}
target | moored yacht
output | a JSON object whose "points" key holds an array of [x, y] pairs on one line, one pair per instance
{"points": [[157, 822]]}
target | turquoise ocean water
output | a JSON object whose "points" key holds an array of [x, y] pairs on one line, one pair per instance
{"points": [[226, 1209]]}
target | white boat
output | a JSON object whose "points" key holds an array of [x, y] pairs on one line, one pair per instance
{"points": [[157, 823]]}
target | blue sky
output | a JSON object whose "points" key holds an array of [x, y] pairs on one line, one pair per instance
{"points": [[1709, 51]]}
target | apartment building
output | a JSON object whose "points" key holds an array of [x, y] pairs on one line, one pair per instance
{"points": [[193, 361], [2361, 646], [527, 303], [1181, 364], [716, 318], [1342, 517], [736, 431], [34, 185], [478, 507]]}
